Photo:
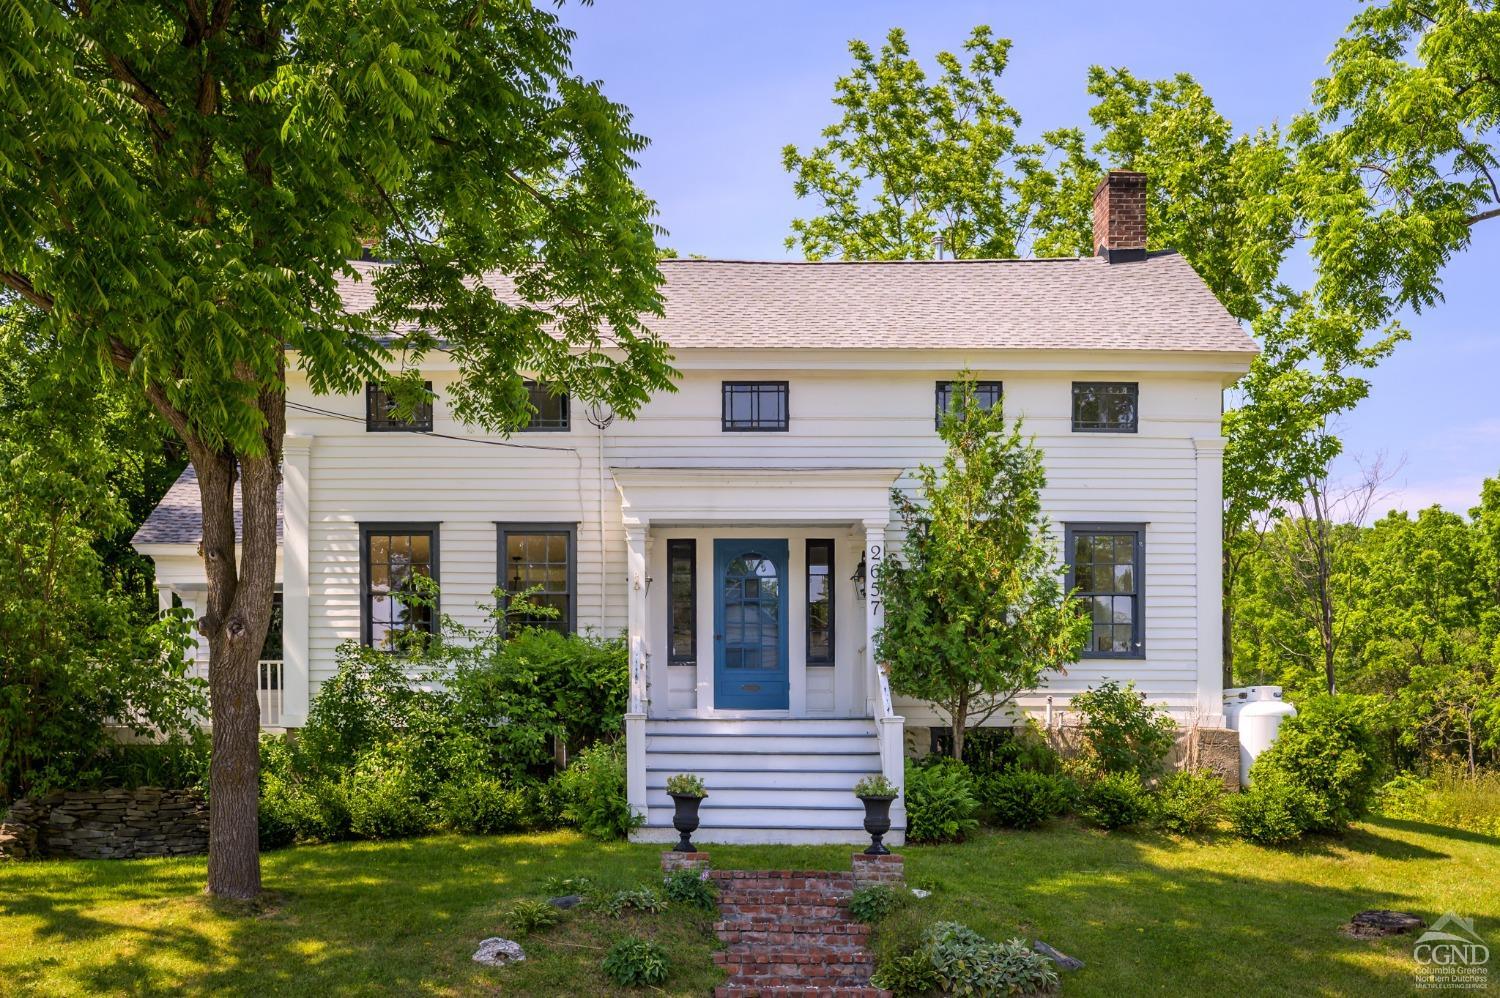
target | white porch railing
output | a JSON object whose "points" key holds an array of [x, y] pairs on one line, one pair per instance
{"points": [[270, 692]]}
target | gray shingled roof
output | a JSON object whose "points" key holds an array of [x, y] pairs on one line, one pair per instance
{"points": [[178, 518], [1156, 304]]}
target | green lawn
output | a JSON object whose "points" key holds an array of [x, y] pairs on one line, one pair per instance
{"points": [[1147, 913]]}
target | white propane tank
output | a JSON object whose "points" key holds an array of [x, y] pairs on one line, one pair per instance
{"points": [[1256, 712]]}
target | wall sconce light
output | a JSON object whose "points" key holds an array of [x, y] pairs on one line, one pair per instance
{"points": [[858, 578]]}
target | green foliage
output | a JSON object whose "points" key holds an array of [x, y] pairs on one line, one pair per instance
{"points": [[906, 974], [82, 649], [593, 791], [528, 915], [1188, 803], [485, 805], [1122, 732], [873, 902], [636, 963], [558, 886], [384, 799], [1274, 811], [689, 887], [686, 785], [1329, 749], [1021, 799], [1447, 797], [1018, 747], [975, 611], [181, 764], [615, 904], [875, 786], [940, 802], [964, 962], [1115, 801]]}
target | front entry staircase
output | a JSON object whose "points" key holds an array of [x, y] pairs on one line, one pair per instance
{"points": [[779, 781]]}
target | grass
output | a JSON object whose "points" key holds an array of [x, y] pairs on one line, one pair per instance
{"points": [[1147, 913]]}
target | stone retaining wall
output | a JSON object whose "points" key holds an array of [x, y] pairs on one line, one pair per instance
{"points": [[106, 824]]}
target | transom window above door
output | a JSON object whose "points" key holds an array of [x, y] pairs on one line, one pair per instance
{"points": [[755, 406], [543, 558]]}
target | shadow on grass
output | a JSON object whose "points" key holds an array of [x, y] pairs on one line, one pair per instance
{"points": [[1439, 831]]}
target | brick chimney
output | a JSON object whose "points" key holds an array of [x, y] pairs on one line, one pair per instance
{"points": [[1120, 216]]}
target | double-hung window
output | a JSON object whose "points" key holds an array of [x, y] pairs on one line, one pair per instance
{"points": [[682, 601], [381, 417], [1106, 566], [987, 395], [542, 558], [551, 413], [1106, 406], [392, 557], [820, 602], [755, 407]]}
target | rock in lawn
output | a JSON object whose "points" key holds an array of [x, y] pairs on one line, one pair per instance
{"points": [[1063, 960], [1382, 922], [566, 901], [917, 892], [497, 952]]}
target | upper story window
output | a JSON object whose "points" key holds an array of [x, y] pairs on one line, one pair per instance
{"points": [[1104, 565], [392, 555], [755, 406], [1105, 406], [551, 410], [986, 394], [682, 601], [820, 602], [542, 557], [380, 412]]}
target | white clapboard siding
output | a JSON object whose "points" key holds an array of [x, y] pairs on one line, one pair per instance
{"points": [[873, 419]]}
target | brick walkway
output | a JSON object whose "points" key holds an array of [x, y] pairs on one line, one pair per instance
{"points": [[787, 932]]}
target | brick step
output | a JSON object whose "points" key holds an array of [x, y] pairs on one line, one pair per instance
{"points": [[800, 928], [791, 991], [818, 969], [784, 897], [846, 879]]}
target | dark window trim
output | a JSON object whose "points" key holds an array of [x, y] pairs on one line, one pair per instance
{"points": [[567, 412], [692, 594], [1071, 530], [430, 528], [786, 409], [502, 528], [1135, 425], [942, 388], [832, 658], [421, 420]]}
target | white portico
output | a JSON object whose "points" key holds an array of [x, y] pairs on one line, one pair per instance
{"points": [[738, 673]]}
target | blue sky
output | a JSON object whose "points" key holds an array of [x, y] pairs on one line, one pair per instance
{"points": [[720, 88]]}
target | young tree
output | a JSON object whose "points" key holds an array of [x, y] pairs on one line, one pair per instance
{"points": [[975, 609], [183, 186]]}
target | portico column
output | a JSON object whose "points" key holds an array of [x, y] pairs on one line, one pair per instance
{"points": [[1210, 546], [640, 668], [296, 676]]}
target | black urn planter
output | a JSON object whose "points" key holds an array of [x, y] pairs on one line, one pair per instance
{"points": [[877, 823], [685, 820]]}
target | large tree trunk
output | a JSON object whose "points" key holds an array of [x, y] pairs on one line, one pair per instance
{"points": [[240, 596], [959, 718]]}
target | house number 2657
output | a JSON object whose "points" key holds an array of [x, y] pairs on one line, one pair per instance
{"points": [[877, 552]]}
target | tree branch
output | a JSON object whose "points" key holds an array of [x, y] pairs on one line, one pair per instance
{"points": [[1482, 216], [26, 289]]}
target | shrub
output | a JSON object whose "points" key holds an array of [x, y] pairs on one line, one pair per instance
{"points": [[1188, 803], [636, 962], [484, 805], [1115, 800], [1331, 751], [690, 888], [907, 974], [383, 801], [593, 791], [872, 903], [940, 801], [1019, 748], [686, 785], [558, 886], [1272, 812], [964, 962], [1122, 732], [527, 915], [280, 813], [1021, 799]]}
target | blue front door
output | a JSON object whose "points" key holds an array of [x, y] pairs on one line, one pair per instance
{"points": [[750, 660]]}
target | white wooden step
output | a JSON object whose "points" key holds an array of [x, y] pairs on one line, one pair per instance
{"points": [[772, 780], [765, 835], [789, 743], [732, 760], [729, 727], [840, 797], [768, 817]]}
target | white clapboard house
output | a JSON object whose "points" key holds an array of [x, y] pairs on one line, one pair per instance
{"points": [[730, 529]]}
